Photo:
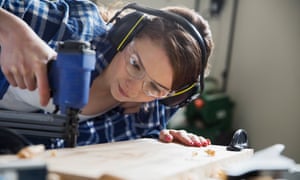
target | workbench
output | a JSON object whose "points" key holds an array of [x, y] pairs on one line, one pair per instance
{"points": [[138, 160]]}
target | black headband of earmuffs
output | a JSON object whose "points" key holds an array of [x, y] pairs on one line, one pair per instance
{"points": [[125, 29]]}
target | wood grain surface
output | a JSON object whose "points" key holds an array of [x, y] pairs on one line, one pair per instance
{"points": [[141, 159]]}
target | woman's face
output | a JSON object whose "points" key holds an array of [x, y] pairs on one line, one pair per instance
{"points": [[141, 72]]}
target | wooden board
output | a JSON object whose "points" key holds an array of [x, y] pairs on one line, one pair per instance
{"points": [[142, 159], [138, 160]]}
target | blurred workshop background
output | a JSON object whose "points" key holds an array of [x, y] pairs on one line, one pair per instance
{"points": [[254, 82]]}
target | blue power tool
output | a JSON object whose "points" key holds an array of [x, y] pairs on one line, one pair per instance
{"points": [[70, 75], [70, 80]]}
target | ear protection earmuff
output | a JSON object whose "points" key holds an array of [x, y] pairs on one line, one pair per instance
{"points": [[125, 29]]}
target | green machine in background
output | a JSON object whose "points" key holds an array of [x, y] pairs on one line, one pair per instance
{"points": [[210, 115]]}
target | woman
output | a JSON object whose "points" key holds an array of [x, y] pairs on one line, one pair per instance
{"points": [[129, 82]]}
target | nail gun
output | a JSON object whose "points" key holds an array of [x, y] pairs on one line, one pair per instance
{"points": [[69, 79]]}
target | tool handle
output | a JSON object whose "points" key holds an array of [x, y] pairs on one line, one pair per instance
{"points": [[70, 75]]}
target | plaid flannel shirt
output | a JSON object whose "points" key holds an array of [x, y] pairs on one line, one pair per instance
{"points": [[62, 20]]}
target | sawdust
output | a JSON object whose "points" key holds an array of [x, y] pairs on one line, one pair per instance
{"points": [[30, 151]]}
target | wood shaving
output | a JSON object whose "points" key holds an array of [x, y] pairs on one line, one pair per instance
{"points": [[221, 175], [210, 152], [194, 153], [30, 151], [53, 153]]}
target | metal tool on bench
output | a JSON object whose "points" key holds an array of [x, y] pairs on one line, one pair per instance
{"points": [[70, 79]]}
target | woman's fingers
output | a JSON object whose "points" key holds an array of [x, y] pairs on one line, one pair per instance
{"points": [[165, 136], [27, 77], [196, 140], [199, 140], [15, 77], [42, 84], [183, 137], [9, 76], [30, 82]]}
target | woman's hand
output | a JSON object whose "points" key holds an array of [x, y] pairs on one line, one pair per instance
{"points": [[183, 137], [24, 56]]}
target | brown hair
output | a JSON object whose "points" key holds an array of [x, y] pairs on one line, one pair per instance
{"points": [[182, 49]]}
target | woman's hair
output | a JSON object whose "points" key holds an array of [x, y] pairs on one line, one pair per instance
{"points": [[182, 49]]}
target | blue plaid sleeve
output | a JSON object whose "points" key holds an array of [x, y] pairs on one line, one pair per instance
{"points": [[60, 20]]}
